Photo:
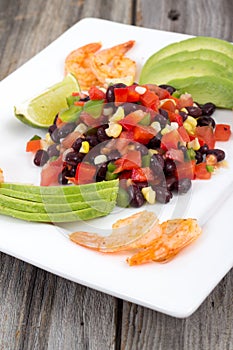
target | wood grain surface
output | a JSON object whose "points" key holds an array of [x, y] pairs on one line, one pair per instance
{"points": [[42, 311]]}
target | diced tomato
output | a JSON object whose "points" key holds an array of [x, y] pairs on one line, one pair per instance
{"points": [[222, 132], [85, 173], [133, 96], [206, 135], [183, 134], [185, 100], [143, 134], [142, 174], [126, 174], [149, 99], [185, 170], [127, 135], [174, 117], [129, 161], [89, 120], [171, 140], [121, 95], [96, 94], [132, 119], [201, 171], [34, 145], [160, 92], [49, 174], [168, 105], [175, 154]]}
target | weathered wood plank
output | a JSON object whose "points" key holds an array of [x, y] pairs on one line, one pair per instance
{"points": [[39, 310], [211, 326]]}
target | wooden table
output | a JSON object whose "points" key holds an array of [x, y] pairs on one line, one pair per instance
{"points": [[42, 311]]}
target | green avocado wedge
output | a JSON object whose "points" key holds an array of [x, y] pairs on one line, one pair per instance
{"points": [[162, 72], [207, 89], [58, 203], [191, 44]]}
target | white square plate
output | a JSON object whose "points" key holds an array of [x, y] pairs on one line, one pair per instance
{"points": [[176, 288]]}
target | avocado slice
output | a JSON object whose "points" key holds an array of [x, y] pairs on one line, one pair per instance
{"points": [[191, 44], [207, 88], [202, 54], [83, 214], [161, 73], [58, 203]]}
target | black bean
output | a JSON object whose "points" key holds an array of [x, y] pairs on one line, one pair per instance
{"points": [[194, 111], [110, 97], [41, 157], [157, 163], [208, 109], [142, 185], [169, 167], [143, 149], [162, 118], [52, 128], [184, 115], [220, 154], [93, 140], [101, 172], [183, 185], [77, 144], [62, 177], [54, 135], [66, 130], [170, 183], [169, 88], [203, 149], [199, 157], [53, 150], [163, 195], [114, 155], [206, 121], [101, 134], [74, 158], [135, 196], [155, 142], [131, 107]]}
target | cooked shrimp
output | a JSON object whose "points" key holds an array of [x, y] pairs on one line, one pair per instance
{"points": [[176, 234], [111, 63], [78, 63], [132, 232]]}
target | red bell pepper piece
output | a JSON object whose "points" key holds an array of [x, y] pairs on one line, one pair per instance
{"points": [[183, 134], [33, 145], [143, 134], [133, 96], [174, 117], [171, 140], [205, 134], [142, 175], [175, 154], [96, 94], [85, 173], [121, 95], [149, 99], [201, 171], [129, 161], [222, 132], [132, 119], [169, 105], [185, 170]]}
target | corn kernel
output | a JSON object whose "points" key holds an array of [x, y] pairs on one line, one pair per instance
{"points": [[156, 126], [113, 130], [118, 115], [82, 128], [84, 147], [149, 194], [48, 139], [101, 158], [194, 144]]}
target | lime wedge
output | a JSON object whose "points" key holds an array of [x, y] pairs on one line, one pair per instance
{"points": [[41, 110]]}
